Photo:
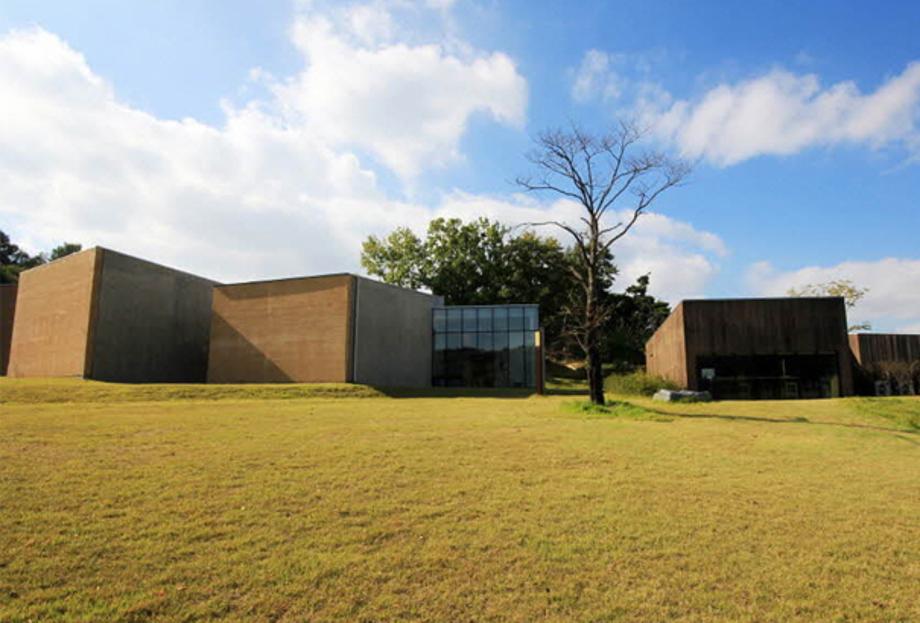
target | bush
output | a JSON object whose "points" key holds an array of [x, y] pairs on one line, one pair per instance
{"points": [[636, 384]]}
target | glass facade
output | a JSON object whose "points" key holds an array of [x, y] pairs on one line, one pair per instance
{"points": [[485, 346]]}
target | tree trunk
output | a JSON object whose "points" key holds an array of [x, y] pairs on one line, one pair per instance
{"points": [[595, 375]]}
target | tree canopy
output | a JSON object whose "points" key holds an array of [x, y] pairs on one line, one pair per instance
{"points": [[484, 262], [14, 260]]}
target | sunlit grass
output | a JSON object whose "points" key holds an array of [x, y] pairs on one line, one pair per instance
{"points": [[292, 503]]}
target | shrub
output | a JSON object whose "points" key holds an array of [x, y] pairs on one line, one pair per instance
{"points": [[636, 384]]}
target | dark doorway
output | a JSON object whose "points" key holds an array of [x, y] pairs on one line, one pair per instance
{"points": [[769, 377]]}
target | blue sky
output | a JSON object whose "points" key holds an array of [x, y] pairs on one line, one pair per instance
{"points": [[270, 138]]}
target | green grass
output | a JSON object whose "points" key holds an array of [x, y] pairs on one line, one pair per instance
{"points": [[636, 384], [294, 503]]}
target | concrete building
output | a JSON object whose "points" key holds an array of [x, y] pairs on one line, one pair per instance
{"points": [[102, 315], [332, 328], [756, 348], [7, 314]]}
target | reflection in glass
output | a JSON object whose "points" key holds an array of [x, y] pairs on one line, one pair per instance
{"points": [[500, 318], [515, 318], [485, 319], [440, 320], [530, 319], [516, 352], [489, 346], [453, 319], [469, 319]]}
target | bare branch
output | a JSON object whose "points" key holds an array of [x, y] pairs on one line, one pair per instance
{"points": [[598, 172]]}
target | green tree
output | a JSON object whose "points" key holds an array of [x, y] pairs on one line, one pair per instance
{"points": [[635, 316], [478, 262], [13, 260], [65, 249]]}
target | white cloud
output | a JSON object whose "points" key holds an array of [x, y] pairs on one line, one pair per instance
{"points": [[597, 78], [407, 105], [278, 188], [893, 300], [782, 113]]}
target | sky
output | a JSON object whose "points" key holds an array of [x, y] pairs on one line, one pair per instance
{"points": [[243, 140]]}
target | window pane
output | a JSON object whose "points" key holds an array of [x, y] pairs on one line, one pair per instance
{"points": [[469, 340], [531, 318], [500, 318], [502, 361], [515, 318], [440, 320], [438, 363], [529, 359], [485, 341], [485, 319], [453, 320], [469, 319], [453, 341], [516, 354], [440, 342]]}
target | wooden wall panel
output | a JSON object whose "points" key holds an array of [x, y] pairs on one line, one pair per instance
{"points": [[290, 330], [768, 327], [666, 353], [875, 348]]}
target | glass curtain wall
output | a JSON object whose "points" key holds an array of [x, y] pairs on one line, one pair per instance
{"points": [[485, 346]]}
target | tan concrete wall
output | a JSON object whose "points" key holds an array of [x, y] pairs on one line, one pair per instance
{"points": [[290, 330], [7, 315], [666, 353], [53, 317]]}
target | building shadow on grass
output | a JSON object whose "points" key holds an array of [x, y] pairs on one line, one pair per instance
{"points": [[456, 392], [914, 434]]}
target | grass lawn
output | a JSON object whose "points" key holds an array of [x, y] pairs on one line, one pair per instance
{"points": [[293, 503]]}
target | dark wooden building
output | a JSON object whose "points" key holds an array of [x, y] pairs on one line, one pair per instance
{"points": [[873, 349], [756, 348]]}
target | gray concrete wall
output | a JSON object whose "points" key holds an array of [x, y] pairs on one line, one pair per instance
{"points": [[152, 323], [392, 341]]}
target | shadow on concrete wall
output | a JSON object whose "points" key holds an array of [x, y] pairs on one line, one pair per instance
{"points": [[291, 286], [244, 362]]}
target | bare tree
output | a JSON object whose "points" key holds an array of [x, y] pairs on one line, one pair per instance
{"points": [[615, 180]]}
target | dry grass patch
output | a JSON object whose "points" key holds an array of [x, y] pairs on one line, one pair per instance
{"points": [[502, 509]]}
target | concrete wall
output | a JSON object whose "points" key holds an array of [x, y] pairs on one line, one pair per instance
{"points": [[666, 352], [7, 315], [392, 335], [289, 330], [871, 349], [54, 306], [152, 323]]}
